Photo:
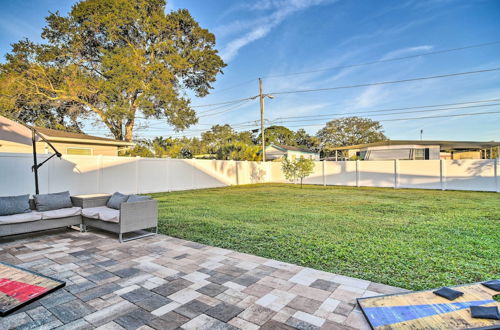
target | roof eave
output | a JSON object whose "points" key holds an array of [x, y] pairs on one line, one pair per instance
{"points": [[442, 143], [283, 148], [88, 141]]}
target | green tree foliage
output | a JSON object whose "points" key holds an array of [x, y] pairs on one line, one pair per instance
{"points": [[115, 59], [277, 135], [288, 169], [217, 137], [305, 167], [140, 150], [297, 169], [161, 147], [349, 131], [219, 142], [305, 140], [239, 151]]}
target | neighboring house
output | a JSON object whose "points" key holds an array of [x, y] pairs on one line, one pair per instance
{"points": [[278, 151], [419, 150], [65, 142]]}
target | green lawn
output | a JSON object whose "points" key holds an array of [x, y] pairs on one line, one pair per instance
{"points": [[413, 239]]}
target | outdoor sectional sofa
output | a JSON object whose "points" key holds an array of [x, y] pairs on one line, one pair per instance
{"points": [[131, 217], [92, 212]]}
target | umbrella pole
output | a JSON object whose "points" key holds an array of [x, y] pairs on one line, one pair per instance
{"points": [[35, 164]]}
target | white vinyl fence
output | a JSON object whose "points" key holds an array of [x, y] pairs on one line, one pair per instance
{"points": [[465, 174], [104, 174]]}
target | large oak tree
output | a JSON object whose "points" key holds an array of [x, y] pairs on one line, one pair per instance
{"points": [[114, 58], [349, 131]]}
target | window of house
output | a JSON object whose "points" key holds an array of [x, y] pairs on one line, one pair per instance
{"points": [[422, 154], [79, 151], [361, 154]]}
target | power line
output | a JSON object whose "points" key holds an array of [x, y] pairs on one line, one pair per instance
{"points": [[218, 106], [227, 102], [400, 112], [417, 118], [390, 109], [279, 119], [221, 107], [385, 60], [359, 85], [282, 120], [162, 128], [233, 86], [227, 110], [449, 50], [385, 82], [384, 120], [444, 116]]}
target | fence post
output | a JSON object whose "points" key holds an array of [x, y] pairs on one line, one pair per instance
{"points": [[167, 179], [137, 160], [442, 173], [191, 162], [497, 179], [324, 177], [99, 173], [270, 178], [396, 173], [358, 170]]}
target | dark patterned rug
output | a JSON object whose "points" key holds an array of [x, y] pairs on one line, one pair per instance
{"points": [[20, 287]]}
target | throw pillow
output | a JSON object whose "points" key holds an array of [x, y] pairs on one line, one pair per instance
{"points": [[116, 200], [55, 201], [14, 204]]}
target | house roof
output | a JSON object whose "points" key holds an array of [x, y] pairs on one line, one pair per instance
{"points": [[442, 144], [55, 135], [290, 148]]}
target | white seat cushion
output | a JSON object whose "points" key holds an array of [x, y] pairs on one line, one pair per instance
{"points": [[61, 213], [110, 215], [21, 217], [92, 212], [103, 213]]}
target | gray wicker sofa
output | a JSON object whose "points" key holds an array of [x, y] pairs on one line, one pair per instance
{"points": [[37, 221], [131, 217]]}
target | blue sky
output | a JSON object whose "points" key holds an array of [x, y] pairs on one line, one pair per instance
{"points": [[263, 38]]}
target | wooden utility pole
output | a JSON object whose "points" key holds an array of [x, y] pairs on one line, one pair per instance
{"points": [[261, 96]]}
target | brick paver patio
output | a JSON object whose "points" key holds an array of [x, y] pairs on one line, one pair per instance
{"points": [[167, 283]]}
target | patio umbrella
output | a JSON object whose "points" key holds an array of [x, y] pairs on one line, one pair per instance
{"points": [[27, 135]]}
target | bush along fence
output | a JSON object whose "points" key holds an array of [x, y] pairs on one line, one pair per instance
{"points": [[104, 174]]}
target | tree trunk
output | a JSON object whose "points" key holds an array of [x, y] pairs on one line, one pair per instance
{"points": [[300, 183], [129, 129], [129, 125], [115, 130]]}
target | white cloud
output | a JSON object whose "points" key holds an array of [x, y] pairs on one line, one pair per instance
{"points": [[374, 95], [403, 51], [260, 27], [286, 109]]}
